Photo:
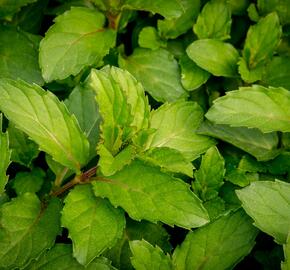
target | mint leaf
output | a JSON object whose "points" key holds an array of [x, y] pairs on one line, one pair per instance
{"points": [[5, 155], [214, 21], [19, 55], [168, 159], [9, 7], [81, 102], [268, 204], [176, 125], [262, 146], [218, 245], [149, 38], [23, 149], [261, 41], [28, 181], [209, 54], [46, 120], [209, 177], [172, 28], [93, 223], [147, 193], [276, 72], [27, 229], [60, 257], [250, 107], [163, 84], [145, 256], [192, 76], [69, 46], [122, 104], [286, 264]]}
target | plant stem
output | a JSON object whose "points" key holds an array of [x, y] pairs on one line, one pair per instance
{"points": [[78, 179], [59, 178]]}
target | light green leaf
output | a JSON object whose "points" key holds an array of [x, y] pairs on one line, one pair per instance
{"points": [[216, 57], [168, 159], [155, 234], [241, 178], [5, 154], [45, 120], [172, 28], [268, 203], [19, 55], [281, 7], [145, 256], [9, 7], [192, 76], [214, 21], [167, 8], [209, 177], [60, 257], [277, 72], [149, 38], [81, 102], [148, 66], [176, 125], [262, 146], [122, 105], [261, 41], [23, 149], [110, 164], [27, 229], [215, 207], [286, 264], [93, 223], [28, 181], [147, 193], [69, 45], [219, 245], [254, 107]]}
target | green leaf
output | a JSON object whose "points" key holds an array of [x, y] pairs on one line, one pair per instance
{"points": [[45, 120], [286, 264], [155, 234], [110, 164], [5, 155], [281, 7], [28, 181], [23, 149], [239, 7], [27, 229], [172, 28], [158, 71], [192, 76], [268, 203], [122, 105], [167, 8], [214, 21], [149, 38], [209, 177], [145, 256], [277, 72], [147, 193], [215, 207], [215, 56], [241, 178], [60, 257], [168, 159], [217, 246], [253, 107], [93, 223], [261, 41], [69, 45], [253, 141], [9, 7], [176, 125], [81, 102], [19, 55]]}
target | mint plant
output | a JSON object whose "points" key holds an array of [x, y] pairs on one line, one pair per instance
{"points": [[144, 134]]}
